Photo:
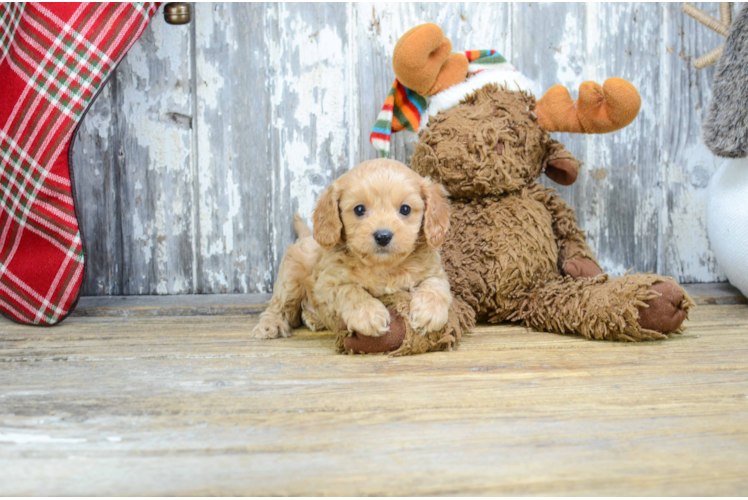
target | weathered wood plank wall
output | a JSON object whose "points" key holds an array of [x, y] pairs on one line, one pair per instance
{"points": [[208, 138]]}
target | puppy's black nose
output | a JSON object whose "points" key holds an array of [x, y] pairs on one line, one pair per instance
{"points": [[383, 238]]}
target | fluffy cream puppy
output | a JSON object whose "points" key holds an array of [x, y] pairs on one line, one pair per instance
{"points": [[377, 230]]}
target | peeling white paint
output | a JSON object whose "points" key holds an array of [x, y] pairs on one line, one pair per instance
{"points": [[568, 54], [593, 38], [614, 269], [210, 82], [318, 89], [157, 163], [234, 203]]}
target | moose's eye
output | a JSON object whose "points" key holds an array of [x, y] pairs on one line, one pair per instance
{"points": [[360, 210], [405, 209]]}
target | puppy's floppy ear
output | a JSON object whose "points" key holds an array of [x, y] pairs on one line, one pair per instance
{"points": [[436, 214], [327, 224]]}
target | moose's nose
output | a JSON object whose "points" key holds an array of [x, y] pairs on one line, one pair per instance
{"points": [[383, 238]]}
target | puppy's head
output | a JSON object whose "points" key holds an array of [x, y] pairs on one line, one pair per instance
{"points": [[382, 211]]}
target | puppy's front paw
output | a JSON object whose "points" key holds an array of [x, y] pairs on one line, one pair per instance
{"points": [[271, 327], [312, 321], [371, 319], [427, 314]]}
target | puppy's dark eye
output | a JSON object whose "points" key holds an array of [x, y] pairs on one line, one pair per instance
{"points": [[359, 210], [405, 210]]}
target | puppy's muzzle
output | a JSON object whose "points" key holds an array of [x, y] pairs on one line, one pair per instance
{"points": [[383, 238]]}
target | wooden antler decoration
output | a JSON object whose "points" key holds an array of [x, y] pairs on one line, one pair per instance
{"points": [[720, 26]]}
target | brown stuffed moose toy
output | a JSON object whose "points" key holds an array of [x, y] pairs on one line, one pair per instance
{"points": [[514, 251]]}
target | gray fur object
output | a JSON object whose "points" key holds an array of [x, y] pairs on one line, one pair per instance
{"points": [[726, 125]]}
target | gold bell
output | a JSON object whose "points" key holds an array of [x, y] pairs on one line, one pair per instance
{"points": [[177, 13]]}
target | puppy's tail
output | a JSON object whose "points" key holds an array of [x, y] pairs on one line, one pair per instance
{"points": [[302, 230]]}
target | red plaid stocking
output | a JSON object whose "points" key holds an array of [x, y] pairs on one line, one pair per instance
{"points": [[53, 60]]}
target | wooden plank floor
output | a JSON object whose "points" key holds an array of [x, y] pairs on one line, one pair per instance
{"points": [[189, 405]]}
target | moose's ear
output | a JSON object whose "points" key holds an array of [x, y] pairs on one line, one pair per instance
{"points": [[327, 224], [562, 170], [560, 165]]}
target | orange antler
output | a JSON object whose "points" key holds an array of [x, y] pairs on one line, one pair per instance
{"points": [[423, 61], [597, 111]]}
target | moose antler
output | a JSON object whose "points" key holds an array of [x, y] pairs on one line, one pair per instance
{"points": [[598, 110], [423, 60], [720, 26]]}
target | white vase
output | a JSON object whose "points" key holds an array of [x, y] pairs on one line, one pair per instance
{"points": [[727, 220]]}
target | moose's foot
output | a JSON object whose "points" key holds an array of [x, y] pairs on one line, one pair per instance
{"points": [[667, 312]]}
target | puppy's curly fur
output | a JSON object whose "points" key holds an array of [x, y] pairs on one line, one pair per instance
{"points": [[332, 279]]}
